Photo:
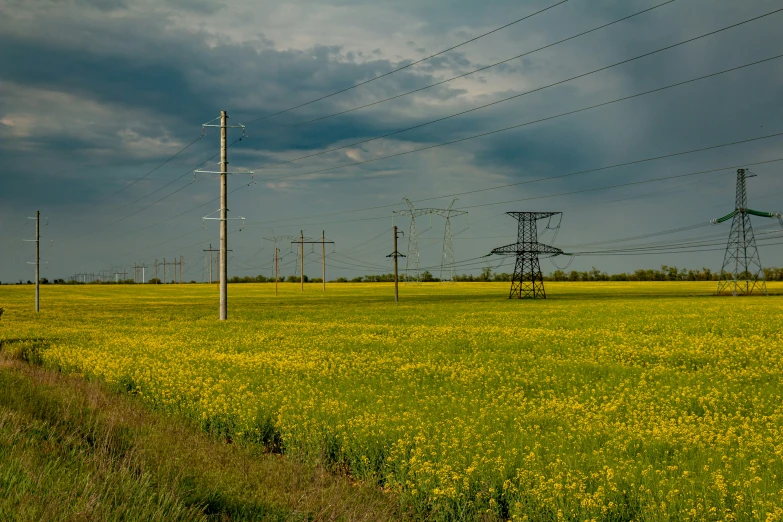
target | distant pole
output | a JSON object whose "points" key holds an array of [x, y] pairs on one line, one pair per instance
{"points": [[143, 279], [223, 218], [395, 255], [323, 259], [180, 269], [396, 281], [301, 257], [157, 281], [37, 260], [277, 251], [210, 250], [164, 270]]}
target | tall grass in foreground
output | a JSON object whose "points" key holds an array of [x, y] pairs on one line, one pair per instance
{"points": [[72, 450], [628, 401]]}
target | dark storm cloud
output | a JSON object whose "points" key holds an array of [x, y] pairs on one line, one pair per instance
{"points": [[94, 93]]}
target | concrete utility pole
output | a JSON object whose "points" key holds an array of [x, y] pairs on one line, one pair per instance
{"points": [[223, 218], [323, 255], [210, 250], [301, 256], [277, 251], [275, 239], [395, 255], [37, 260], [223, 125]]}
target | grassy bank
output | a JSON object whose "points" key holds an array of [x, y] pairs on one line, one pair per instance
{"points": [[76, 450]]}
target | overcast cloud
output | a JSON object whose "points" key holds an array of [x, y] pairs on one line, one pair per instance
{"points": [[94, 94]]}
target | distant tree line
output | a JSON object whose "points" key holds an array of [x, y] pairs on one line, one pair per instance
{"points": [[665, 273]]}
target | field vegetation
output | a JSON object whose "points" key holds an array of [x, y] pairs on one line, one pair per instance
{"points": [[607, 401]]}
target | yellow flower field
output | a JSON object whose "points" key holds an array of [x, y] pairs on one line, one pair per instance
{"points": [[607, 401]]}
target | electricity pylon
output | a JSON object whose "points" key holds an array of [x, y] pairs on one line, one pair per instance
{"points": [[412, 260], [741, 273], [447, 254], [528, 282]]}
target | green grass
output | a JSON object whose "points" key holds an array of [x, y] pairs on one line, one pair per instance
{"points": [[74, 450], [612, 401]]}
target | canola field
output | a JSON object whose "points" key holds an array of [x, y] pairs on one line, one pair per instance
{"points": [[607, 401]]}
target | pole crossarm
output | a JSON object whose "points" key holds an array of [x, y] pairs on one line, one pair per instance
{"points": [[746, 211], [241, 171], [538, 249], [220, 126], [209, 216]]}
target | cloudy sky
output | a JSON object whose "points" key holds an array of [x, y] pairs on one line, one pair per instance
{"points": [[96, 96]]}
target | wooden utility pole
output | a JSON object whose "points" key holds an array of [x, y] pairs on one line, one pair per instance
{"points": [[396, 255], [277, 251], [37, 260], [323, 259]]}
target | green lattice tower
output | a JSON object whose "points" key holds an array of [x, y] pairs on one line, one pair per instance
{"points": [[742, 273]]}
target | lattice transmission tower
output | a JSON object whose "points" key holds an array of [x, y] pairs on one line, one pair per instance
{"points": [[528, 282], [447, 254], [412, 259], [741, 273]]}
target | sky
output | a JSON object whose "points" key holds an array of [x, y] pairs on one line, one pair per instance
{"points": [[102, 104]]}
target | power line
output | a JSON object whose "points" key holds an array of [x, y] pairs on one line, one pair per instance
{"points": [[408, 65], [126, 187], [622, 184], [475, 70], [190, 171], [508, 185], [531, 122], [502, 130], [511, 201], [480, 107]]}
